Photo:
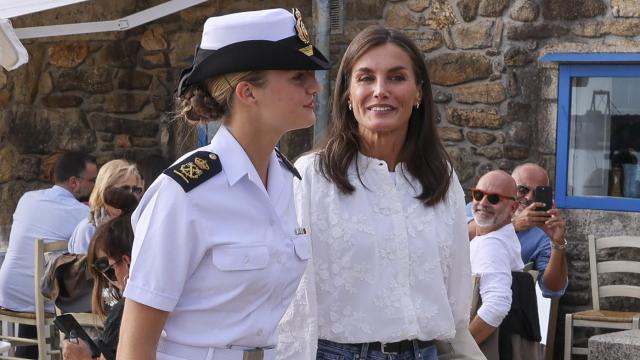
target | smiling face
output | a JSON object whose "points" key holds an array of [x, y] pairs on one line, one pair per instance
{"points": [[287, 99], [383, 91]]}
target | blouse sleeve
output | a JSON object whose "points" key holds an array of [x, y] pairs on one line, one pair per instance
{"points": [[298, 329], [459, 266], [166, 232]]}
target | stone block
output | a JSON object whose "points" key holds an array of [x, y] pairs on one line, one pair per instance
{"points": [[490, 152], [475, 118], [415, 5], [464, 162], [546, 127], [5, 98], [198, 14], [456, 68], [625, 8], [95, 80], [123, 140], [183, 46], [478, 35], [448, 133], [124, 103], [118, 125], [521, 32], [572, 9], [441, 16], [599, 28], [525, 11], [27, 168], [517, 56], [486, 93], [153, 38], [7, 158], [68, 55], [616, 345], [519, 133], [441, 97], [468, 9], [426, 39], [144, 142], [366, 9], [492, 8], [10, 193], [45, 84], [118, 54], [478, 138], [512, 84], [400, 17], [134, 80], [28, 75], [515, 152], [153, 61], [40, 131], [62, 101]]}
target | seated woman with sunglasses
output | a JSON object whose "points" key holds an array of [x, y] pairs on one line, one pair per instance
{"points": [[495, 253], [116, 173], [108, 258]]}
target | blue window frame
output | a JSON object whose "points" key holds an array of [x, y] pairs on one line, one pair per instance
{"points": [[598, 132]]}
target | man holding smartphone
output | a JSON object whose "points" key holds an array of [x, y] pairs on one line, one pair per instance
{"points": [[541, 233]]}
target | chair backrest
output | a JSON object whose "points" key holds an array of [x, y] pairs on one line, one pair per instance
{"points": [[42, 247], [612, 266]]}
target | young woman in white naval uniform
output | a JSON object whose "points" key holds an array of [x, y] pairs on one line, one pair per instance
{"points": [[218, 252]]}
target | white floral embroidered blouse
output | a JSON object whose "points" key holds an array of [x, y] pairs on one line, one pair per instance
{"points": [[384, 266]]}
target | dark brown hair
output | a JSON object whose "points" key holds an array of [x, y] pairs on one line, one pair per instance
{"points": [[115, 239], [423, 153]]}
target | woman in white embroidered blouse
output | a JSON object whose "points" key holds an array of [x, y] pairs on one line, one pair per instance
{"points": [[390, 269]]}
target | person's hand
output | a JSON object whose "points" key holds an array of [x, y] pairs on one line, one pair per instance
{"points": [[555, 227], [530, 217], [75, 349]]}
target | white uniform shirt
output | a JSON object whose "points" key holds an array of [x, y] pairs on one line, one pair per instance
{"points": [[385, 267], [49, 214], [81, 237], [223, 258], [494, 256]]}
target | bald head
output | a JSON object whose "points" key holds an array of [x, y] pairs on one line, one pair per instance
{"points": [[498, 182], [528, 177]]}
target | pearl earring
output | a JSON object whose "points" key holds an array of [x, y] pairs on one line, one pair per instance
{"points": [[417, 106], [350, 107]]}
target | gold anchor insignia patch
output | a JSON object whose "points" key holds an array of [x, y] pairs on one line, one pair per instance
{"points": [[195, 169]]}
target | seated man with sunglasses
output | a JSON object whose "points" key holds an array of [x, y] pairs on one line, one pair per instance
{"points": [[494, 252], [541, 234]]}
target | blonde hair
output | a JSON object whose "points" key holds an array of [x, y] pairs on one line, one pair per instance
{"points": [[109, 174], [212, 99]]}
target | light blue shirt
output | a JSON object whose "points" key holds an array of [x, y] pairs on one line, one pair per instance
{"points": [[42, 214], [535, 246], [81, 237]]}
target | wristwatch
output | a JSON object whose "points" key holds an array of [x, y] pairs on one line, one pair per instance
{"points": [[556, 246]]}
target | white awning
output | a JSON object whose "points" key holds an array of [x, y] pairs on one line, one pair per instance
{"points": [[13, 8]]}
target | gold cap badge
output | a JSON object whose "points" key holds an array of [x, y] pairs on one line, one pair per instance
{"points": [[301, 30]]}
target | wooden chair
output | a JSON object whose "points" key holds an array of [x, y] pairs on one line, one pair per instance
{"points": [[597, 317], [39, 318]]}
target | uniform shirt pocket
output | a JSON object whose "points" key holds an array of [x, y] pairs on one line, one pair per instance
{"points": [[240, 258], [302, 246]]}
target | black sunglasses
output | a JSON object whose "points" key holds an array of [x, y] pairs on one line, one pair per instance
{"points": [[102, 266], [493, 199], [523, 190], [135, 190]]}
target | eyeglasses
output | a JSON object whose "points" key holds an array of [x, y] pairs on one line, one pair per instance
{"points": [[135, 190], [523, 190], [102, 266], [493, 199]]}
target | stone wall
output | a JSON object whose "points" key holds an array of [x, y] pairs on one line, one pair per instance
{"points": [[110, 93]]}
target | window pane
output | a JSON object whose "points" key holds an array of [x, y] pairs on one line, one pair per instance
{"points": [[604, 141]]}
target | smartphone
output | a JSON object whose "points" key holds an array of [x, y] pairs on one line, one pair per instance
{"points": [[67, 323], [543, 194]]}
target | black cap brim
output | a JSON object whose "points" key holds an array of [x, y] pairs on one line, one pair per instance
{"points": [[253, 55]]}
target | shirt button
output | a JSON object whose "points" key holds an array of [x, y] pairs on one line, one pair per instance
{"points": [[245, 260]]}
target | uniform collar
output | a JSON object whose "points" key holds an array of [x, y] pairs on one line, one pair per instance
{"points": [[235, 161]]}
